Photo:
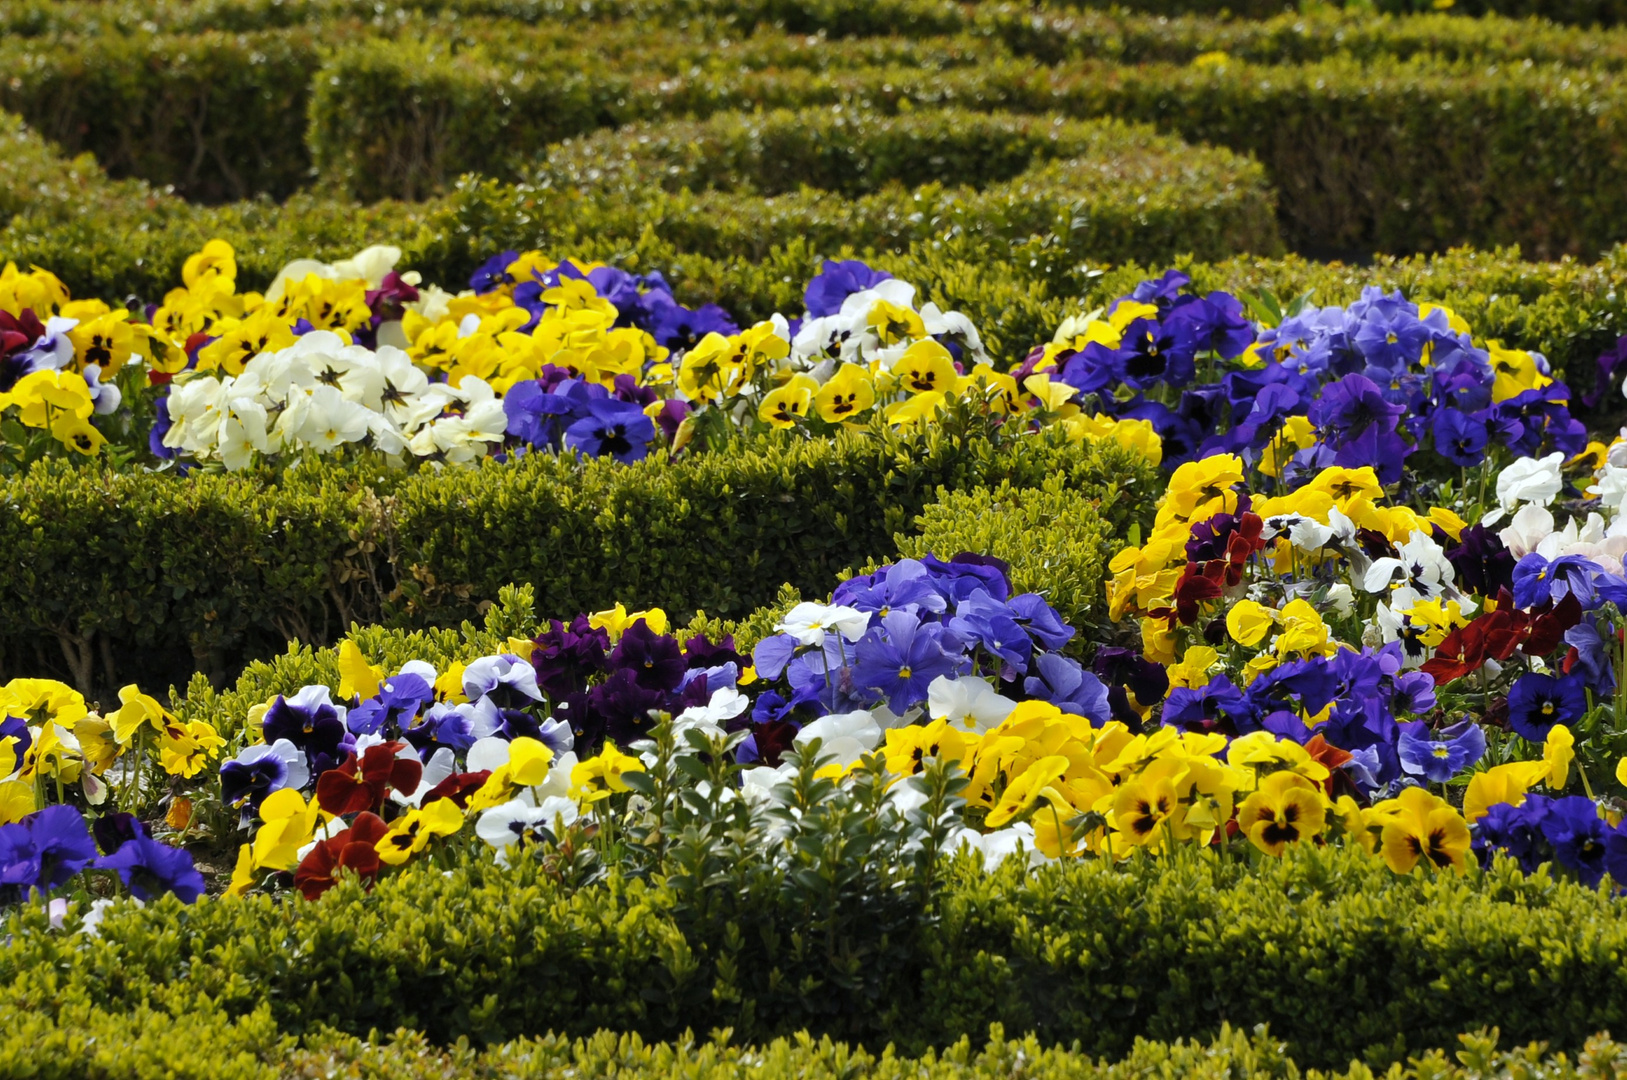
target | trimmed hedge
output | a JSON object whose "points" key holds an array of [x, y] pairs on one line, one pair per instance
{"points": [[1516, 154], [1339, 956], [84, 1044], [214, 116], [404, 120], [110, 576], [1583, 12], [1131, 37], [837, 177]]}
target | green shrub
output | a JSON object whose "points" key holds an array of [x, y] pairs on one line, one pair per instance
{"points": [[720, 532], [402, 120], [1341, 958], [1516, 154], [1607, 12], [1127, 36], [214, 116], [112, 576], [84, 1043], [838, 177]]}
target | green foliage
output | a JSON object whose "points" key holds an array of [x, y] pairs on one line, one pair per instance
{"points": [[837, 177], [1584, 12], [146, 1044], [1520, 156], [112, 576], [1342, 959], [404, 119], [214, 116], [1338, 106], [1231, 1055], [78, 1041]]}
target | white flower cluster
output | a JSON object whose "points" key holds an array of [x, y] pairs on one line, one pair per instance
{"points": [[320, 394], [878, 325]]}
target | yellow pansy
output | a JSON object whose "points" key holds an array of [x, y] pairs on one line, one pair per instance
{"points": [[216, 260], [135, 711], [1052, 395], [107, 341], [357, 678], [600, 776], [926, 367], [788, 405], [1303, 631], [616, 620], [1192, 672], [289, 824], [1507, 783], [845, 395], [893, 323], [44, 397], [1422, 827], [264, 331], [1200, 489], [1248, 622], [916, 411], [77, 434], [186, 749], [16, 801], [1345, 486], [1285, 809], [529, 761], [1515, 372], [1558, 751], [412, 832], [709, 369]]}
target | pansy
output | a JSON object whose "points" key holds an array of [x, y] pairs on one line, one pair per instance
{"points": [[150, 869], [1439, 756], [1537, 702], [259, 770]]}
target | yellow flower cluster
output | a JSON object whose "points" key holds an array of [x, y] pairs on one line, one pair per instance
{"points": [[63, 746], [480, 335], [1106, 792]]}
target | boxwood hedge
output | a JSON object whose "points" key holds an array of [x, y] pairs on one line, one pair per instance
{"points": [[1341, 958], [1521, 152], [83, 1043], [839, 177], [110, 576]]}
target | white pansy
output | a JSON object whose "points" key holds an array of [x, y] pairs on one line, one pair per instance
{"points": [[518, 821], [1530, 527], [844, 737], [1530, 480], [1422, 567], [808, 622], [969, 704], [441, 765], [726, 704], [1611, 485]]}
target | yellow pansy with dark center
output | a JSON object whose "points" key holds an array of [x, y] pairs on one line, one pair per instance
{"points": [[1283, 826], [1149, 813], [100, 350]]}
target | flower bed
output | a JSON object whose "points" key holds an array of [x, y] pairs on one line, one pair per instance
{"points": [[1266, 525]]}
